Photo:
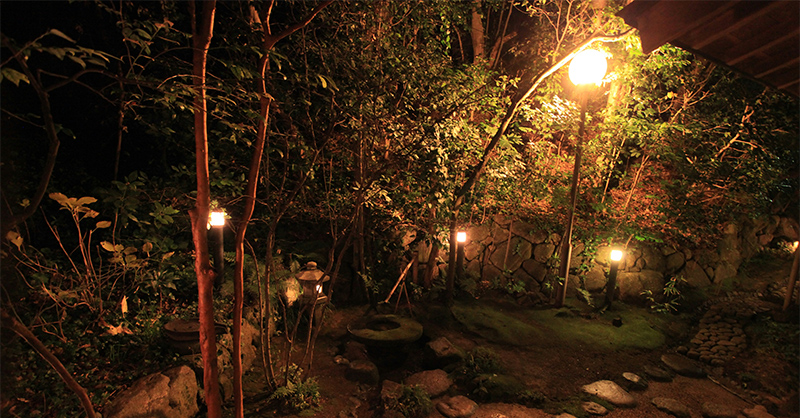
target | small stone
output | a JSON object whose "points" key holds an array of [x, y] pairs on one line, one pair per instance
{"points": [[594, 408], [693, 354], [682, 350], [671, 406], [610, 392], [457, 407], [634, 381]]}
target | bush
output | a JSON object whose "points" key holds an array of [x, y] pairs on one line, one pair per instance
{"points": [[413, 402]]}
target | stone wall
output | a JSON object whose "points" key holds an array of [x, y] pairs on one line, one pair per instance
{"points": [[505, 251]]}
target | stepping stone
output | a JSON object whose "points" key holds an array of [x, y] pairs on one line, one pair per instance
{"points": [[435, 382], [713, 410], [594, 408], [759, 411], [634, 381], [658, 374], [362, 371], [441, 353], [457, 407], [673, 407], [682, 365], [610, 392]]}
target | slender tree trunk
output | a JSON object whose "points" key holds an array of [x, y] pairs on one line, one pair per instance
{"points": [[11, 323], [476, 26], [202, 31]]}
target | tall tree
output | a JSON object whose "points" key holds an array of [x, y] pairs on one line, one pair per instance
{"points": [[202, 32]]}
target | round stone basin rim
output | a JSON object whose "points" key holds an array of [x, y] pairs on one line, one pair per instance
{"points": [[385, 330]]}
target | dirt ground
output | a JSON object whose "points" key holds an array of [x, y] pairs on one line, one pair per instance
{"points": [[554, 368]]}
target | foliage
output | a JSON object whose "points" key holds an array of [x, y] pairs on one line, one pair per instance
{"points": [[670, 301], [479, 361], [412, 402], [297, 394]]}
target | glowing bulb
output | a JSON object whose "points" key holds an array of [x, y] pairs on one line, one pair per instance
{"points": [[588, 67], [216, 218], [616, 255], [461, 236], [319, 288], [794, 245]]}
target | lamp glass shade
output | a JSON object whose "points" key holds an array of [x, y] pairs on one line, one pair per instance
{"points": [[461, 236], [616, 255], [216, 218], [588, 67]]}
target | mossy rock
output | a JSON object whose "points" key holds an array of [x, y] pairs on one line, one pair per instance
{"points": [[385, 330], [498, 387]]}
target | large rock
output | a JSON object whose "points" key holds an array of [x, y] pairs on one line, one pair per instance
{"points": [[595, 278], [653, 259], [695, 275], [535, 269], [632, 284], [172, 393], [435, 382], [510, 257], [610, 392], [543, 252]]}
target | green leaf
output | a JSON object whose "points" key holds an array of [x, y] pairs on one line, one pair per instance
{"points": [[15, 239], [60, 34], [60, 198], [85, 201], [13, 76]]}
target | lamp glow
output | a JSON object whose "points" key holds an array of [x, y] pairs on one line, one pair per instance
{"points": [[588, 67], [216, 218], [461, 236], [616, 255]]}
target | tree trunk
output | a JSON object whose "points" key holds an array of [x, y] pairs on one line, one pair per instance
{"points": [[478, 48], [202, 30]]}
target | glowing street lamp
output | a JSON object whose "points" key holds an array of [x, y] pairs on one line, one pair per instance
{"points": [[611, 284], [586, 68], [461, 237], [216, 223]]}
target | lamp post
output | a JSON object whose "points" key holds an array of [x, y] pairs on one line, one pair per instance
{"points": [[216, 223], [587, 67], [611, 284], [461, 240]]}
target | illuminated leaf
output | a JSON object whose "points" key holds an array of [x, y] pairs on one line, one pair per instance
{"points": [[103, 224], [15, 239], [107, 246]]}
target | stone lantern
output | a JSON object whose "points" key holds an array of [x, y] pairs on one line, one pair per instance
{"points": [[311, 280]]}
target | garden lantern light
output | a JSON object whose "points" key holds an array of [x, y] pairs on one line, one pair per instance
{"points": [[611, 284], [461, 240], [216, 224], [311, 279], [586, 68]]}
